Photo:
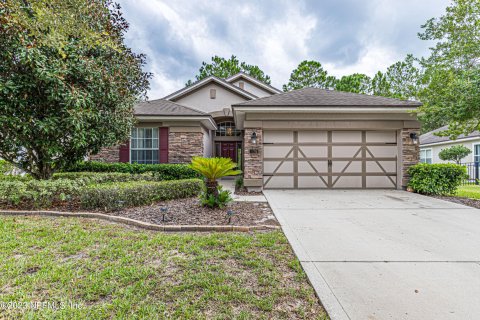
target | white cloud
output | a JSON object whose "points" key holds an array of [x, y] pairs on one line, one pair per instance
{"points": [[275, 35]]}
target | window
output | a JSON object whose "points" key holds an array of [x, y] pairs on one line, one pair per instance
{"points": [[227, 129], [144, 145], [476, 152], [426, 155]]}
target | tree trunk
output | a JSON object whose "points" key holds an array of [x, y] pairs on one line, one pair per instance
{"points": [[212, 188]]}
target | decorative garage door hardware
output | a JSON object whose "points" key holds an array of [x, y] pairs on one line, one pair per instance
{"points": [[330, 159]]}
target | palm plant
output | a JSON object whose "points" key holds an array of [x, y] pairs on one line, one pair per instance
{"points": [[213, 169]]}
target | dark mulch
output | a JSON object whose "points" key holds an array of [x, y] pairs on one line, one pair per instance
{"points": [[189, 212], [465, 201]]}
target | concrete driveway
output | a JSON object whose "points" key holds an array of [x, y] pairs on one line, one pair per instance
{"points": [[378, 254]]}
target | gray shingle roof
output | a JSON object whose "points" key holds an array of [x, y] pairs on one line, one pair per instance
{"points": [[323, 97], [161, 107], [430, 137]]}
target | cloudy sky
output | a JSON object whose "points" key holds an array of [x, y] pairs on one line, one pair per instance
{"points": [[346, 36]]}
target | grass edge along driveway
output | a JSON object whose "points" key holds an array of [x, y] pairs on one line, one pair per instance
{"points": [[92, 269]]}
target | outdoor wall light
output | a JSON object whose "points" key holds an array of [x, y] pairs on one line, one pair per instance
{"points": [[414, 137], [253, 138]]}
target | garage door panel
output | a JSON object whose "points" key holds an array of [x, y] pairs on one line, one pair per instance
{"points": [[308, 182], [308, 166], [278, 182], [388, 166], [381, 182], [381, 136], [346, 166], [270, 167], [271, 151], [381, 151], [347, 181], [313, 151], [312, 136], [278, 137], [346, 136], [345, 151]]}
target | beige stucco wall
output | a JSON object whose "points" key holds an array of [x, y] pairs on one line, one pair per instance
{"points": [[437, 148], [250, 87], [200, 99]]}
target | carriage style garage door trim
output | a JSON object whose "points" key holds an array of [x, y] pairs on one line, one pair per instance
{"points": [[330, 159]]}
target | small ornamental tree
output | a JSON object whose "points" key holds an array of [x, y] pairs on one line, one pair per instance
{"points": [[213, 169], [454, 153], [68, 83]]}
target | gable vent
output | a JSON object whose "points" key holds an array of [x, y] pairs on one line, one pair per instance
{"points": [[213, 93], [241, 84]]}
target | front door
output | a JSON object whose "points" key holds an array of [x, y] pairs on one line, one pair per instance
{"points": [[229, 150]]}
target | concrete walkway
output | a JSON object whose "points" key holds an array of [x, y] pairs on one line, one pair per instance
{"points": [[229, 184], [378, 254]]}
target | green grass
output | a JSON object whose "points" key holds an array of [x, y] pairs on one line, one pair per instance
{"points": [[468, 191], [112, 271]]}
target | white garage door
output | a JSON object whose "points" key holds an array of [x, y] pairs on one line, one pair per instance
{"points": [[330, 159]]}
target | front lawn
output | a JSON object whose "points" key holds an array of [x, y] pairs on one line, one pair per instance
{"points": [[469, 191], [110, 271]]}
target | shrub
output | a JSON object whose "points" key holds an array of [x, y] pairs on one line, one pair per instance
{"points": [[104, 177], [38, 193], [221, 200], [114, 196], [6, 167], [436, 179], [239, 183], [165, 171]]}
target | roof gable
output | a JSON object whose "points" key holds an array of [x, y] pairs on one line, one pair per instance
{"points": [[201, 83], [324, 97], [253, 81]]}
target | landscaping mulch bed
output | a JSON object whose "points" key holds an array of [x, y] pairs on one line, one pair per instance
{"points": [[189, 212], [465, 201]]}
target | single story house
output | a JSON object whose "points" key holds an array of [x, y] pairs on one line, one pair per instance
{"points": [[431, 145], [306, 138]]}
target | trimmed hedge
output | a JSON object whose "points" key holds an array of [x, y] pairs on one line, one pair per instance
{"points": [[38, 193], [104, 177], [436, 179], [114, 196], [164, 171]]}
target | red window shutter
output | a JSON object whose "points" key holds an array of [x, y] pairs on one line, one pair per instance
{"points": [[163, 149], [124, 152]]}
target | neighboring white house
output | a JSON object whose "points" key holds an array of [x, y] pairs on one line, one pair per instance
{"points": [[431, 145]]}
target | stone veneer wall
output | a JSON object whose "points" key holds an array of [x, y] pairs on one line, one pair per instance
{"points": [[110, 154], [410, 153], [253, 165], [182, 146]]}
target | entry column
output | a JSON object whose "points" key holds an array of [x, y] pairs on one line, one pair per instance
{"points": [[253, 165]]}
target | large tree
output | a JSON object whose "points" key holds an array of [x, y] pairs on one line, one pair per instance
{"points": [[402, 80], [309, 73], [453, 68], [224, 68], [68, 82], [356, 83]]}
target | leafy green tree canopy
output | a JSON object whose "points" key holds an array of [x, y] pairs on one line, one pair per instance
{"points": [[309, 73], [68, 83], [224, 68], [454, 153], [356, 83], [453, 68]]}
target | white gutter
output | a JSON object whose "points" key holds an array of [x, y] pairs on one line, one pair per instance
{"points": [[206, 120]]}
